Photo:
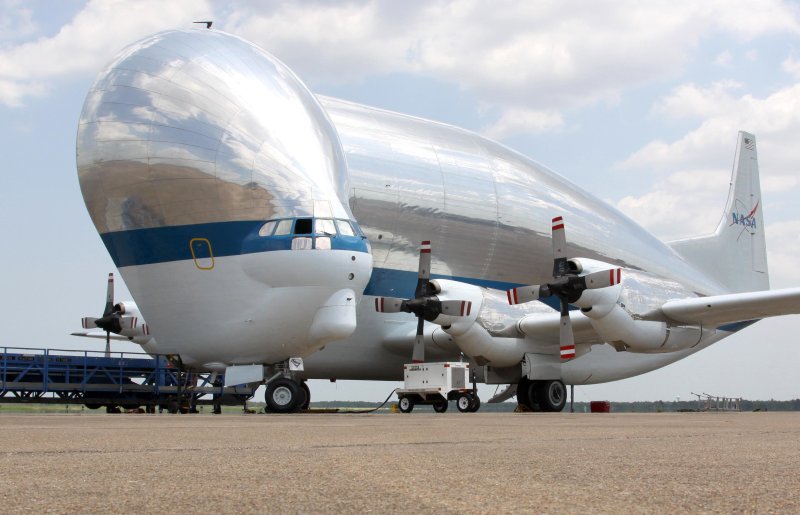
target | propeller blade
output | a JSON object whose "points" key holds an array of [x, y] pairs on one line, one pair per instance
{"points": [[89, 323], [603, 278], [425, 260], [523, 294], [418, 355], [456, 308], [128, 323], [388, 305], [566, 336], [109, 296], [559, 248]]}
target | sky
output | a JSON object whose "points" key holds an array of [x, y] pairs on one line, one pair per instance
{"points": [[637, 102]]}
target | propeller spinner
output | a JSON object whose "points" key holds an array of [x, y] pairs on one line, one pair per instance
{"points": [[425, 305], [567, 286]]}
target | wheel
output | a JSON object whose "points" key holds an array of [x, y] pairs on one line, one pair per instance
{"points": [[307, 403], [476, 404], [526, 394], [282, 395], [551, 395], [522, 392], [464, 402], [405, 404], [440, 406], [302, 398]]}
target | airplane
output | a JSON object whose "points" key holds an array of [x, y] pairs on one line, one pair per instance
{"points": [[275, 235]]}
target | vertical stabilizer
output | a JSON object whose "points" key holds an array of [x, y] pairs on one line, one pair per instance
{"points": [[735, 255]]}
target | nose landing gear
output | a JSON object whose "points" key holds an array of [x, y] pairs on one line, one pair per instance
{"points": [[285, 395]]}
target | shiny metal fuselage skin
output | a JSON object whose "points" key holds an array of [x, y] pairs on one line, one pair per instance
{"points": [[198, 137]]}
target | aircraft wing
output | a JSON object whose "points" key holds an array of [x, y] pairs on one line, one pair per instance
{"points": [[734, 307]]}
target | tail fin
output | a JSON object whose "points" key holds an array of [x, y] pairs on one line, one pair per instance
{"points": [[735, 255]]}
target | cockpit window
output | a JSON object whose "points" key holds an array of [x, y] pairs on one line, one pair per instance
{"points": [[284, 228], [325, 226], [344, 228], [303, 226], [267, 228]]}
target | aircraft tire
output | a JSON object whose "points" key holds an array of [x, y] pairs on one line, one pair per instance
{"points": [[282, 395], [405, 404], [307, 403], [465, 402], [551, 395], [440, 406], [522, 392], [526, 394], [302, 398]]}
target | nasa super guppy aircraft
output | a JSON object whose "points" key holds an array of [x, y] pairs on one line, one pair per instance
{"points": [[276, 235]]}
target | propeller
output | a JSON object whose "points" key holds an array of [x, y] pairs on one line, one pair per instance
{"points": [[112, 320], [567, 285], [425, 305]]}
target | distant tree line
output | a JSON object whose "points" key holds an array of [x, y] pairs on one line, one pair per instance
{"points": [[583, 407]]}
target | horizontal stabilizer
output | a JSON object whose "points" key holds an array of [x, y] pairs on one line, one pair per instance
{"points": [[725, 309]]}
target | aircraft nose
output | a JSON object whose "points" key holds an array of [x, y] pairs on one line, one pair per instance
{"points": [[197, 127]]}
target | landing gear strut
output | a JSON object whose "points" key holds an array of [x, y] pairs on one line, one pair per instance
{"points": [[542, 395]]}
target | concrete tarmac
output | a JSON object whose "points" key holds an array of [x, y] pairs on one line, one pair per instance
{"points": [[418, 462]]}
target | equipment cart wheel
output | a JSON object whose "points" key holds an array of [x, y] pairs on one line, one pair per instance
{"points": [[405, 404], [440, 406], [464, 402], [476, 404]]}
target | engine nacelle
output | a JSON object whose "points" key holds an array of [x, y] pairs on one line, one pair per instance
{"points": [[454, 290], [620, 328], [471, 338]]}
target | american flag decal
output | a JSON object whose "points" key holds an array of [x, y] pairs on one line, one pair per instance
{"points": [[749, 144]]}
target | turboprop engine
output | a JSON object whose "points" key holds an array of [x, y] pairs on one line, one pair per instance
{"points": [[599, 290], [615, 322]]}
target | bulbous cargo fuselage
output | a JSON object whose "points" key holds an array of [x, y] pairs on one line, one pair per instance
{"points": [[219, 188], [223, 191]]}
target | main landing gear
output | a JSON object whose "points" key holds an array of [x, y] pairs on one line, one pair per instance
{"points": [[542, 395], [285, 395]]}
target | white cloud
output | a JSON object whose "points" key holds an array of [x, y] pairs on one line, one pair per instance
{"points": [[16, 21], [687, 203], [85, 44], [791, 65], [783, 248], [724, 59], [518, 57], [542, 57], [690, 100], [516, 120], [775, 120]]}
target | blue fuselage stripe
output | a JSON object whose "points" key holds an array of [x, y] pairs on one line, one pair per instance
{"points": [[166, 244]]}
